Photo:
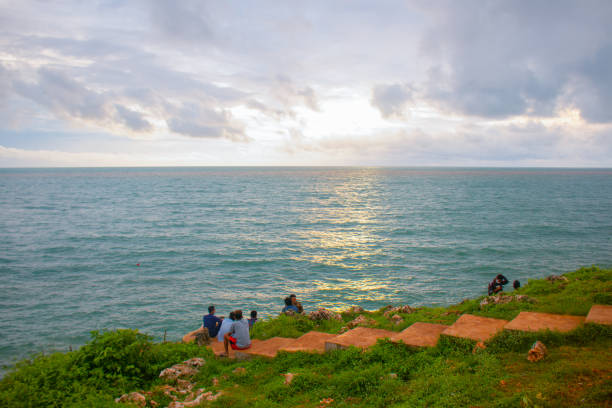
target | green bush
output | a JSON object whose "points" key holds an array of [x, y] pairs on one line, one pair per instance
{"points": [[112, 363]]}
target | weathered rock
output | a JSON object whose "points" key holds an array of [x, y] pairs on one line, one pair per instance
{"points": [[398, 309], [195, 362], [500, 299], [361, 320], [239, 370], [538, 351], [354, 309], [176, 371], [202, 338], [200, 397], [397, 319], [288, 378], [452, 312], [168, 390], [325, 402], [324, 314], [184, 385], [554, 278], [478, 347], [134, 398]]}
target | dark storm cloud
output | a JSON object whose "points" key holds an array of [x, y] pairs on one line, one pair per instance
{"points": [[198, 121], [391, 99], [132, 119], [182, 21], [64, 96], [499, 59]]}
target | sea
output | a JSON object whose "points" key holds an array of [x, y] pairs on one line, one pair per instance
{"points": [[85, 249]]}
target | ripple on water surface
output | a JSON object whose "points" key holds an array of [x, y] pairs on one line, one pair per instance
{"points": [[85, 249]]}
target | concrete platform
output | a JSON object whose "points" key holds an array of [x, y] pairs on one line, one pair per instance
{"points": [[190, 337], [420, 334], [534, 321], [362, 337], [475, 327], [217, 347], [600, 314], [265, 348], [311, 342]]}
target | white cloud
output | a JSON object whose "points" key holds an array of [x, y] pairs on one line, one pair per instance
{"points": [[315, 82]]}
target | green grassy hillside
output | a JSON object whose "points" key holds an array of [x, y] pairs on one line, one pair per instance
{"points": [[576, 372]]}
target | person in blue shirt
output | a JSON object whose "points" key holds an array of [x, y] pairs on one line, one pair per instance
{"points": [[289, 307], [212, 322]]}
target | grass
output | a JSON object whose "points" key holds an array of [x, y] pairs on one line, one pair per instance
{"points": [[576, 372]]}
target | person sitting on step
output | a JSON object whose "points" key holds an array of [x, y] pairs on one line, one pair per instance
{"points": [[225, 326], [238, 335], [211, 322]]}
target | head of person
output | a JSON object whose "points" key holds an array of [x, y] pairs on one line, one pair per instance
{"points": [[516, 284], [287, 301], [237, 314], [499, 277], [253, 314], [232, 315], [293, 299], [211, 309]]}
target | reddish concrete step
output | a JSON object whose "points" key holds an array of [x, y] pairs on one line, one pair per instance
{"points": [[420, 334], [534, 321], [361, 337], [218, 348], [475, 327], [265, 348], [600, 314], [311, 342], [191, 336]]}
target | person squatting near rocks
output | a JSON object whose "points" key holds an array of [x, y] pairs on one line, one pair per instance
{"points": [[238, 334], [497, 285]]}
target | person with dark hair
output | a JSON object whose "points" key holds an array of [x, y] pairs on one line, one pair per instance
{"points": [[297, 304], [253, 319], [238, 335], [497, 285], [289, 307], [211, 322], [225, 326], [516, 284]]}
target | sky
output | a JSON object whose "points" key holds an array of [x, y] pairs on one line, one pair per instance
{"points": [[307, 83]]}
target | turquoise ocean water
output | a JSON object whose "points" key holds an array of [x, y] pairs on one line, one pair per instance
{"points": [[71, 240]]}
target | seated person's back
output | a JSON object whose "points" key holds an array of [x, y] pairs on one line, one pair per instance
{"points": [[225, 326], [212, 322], [239, 331]]}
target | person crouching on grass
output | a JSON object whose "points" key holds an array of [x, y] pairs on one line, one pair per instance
{"points": [[238, 336]]}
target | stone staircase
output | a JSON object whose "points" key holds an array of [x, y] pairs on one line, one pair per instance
{"points": [[420, 334]]}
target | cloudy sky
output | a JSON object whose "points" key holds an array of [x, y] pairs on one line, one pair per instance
{"points": [[397, 83]]}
